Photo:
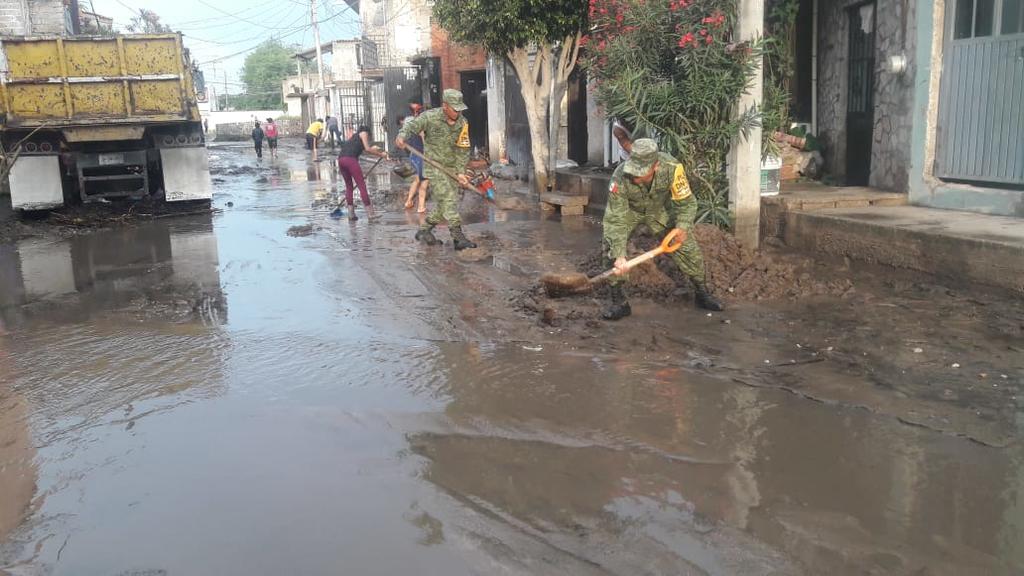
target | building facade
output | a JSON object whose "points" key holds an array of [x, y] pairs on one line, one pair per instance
{"points": [[38, 17], [924, 97]]}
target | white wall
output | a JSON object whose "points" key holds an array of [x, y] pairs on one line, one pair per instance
{"points": [[235, 116], [401, 28], [344, 62]]}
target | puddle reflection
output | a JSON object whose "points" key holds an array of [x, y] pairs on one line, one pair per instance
{"points": [[157, 268]]}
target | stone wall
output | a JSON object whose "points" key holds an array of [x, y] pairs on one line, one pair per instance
{"points": [[894, 35], [240, 131], [43, 17]]}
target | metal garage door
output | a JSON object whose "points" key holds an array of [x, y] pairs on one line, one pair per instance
{"points": [[980, 132]]}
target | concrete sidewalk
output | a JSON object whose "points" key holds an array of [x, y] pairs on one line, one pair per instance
{"points": [[956, 245]]}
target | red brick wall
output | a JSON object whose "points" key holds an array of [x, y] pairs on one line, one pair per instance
{"points": [[454, 57]]}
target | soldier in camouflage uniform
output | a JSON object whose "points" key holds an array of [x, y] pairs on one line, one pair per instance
{"points": [[651, 189], [446, 141]]}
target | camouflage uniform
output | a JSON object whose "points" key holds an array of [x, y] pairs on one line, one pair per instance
{"points": [[449, 146], [668, 203]]}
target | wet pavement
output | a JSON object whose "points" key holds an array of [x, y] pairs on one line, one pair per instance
{"points": [[210, 395]]}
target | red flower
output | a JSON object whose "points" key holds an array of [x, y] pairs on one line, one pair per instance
{"points": [[703, 32], [686, 40], [709, 39], [715, 19]]}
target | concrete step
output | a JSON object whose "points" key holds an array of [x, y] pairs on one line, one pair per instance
{"points": [[570, 205], [809, 196], [956, 245], [813, 196]]}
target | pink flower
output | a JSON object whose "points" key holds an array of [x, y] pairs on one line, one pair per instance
{"points": [[686, 40]]}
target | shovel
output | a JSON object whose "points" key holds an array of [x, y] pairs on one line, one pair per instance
{"points": [[484, 188], [337, 212], [575, 283]]}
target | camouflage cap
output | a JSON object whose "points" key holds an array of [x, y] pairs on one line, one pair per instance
{"points": [[641, 158], [453, 98]]}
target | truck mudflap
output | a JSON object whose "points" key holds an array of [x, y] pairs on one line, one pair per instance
{"points": [[36, 183], [186, 174]]}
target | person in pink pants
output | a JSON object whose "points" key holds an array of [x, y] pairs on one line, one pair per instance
{"points": [[348, 165]]}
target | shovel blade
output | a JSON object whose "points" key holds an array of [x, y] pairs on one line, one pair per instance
{"points": [[557, 285]]}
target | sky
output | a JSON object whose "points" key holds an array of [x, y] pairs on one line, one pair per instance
{"points": [[219, 33]]}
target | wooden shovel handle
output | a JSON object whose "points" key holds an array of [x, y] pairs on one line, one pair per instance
{"points": [[433, 163], [672, 242]]}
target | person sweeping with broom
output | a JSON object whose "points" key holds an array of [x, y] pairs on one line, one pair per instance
{"points": [[446, 141], [651, 189], [348, 166]]}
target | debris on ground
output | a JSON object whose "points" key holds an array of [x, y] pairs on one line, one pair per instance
{"points": [[81, 218], [300, 231], [734, 273], [478, 254], [511, 203]]}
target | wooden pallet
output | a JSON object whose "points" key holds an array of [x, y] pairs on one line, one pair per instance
{"points": [[569, 205]]}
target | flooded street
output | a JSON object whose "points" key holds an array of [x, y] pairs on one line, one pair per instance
{"points": [[211, 395]]}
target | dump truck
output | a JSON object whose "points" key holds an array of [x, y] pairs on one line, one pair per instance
{"points": [[92, 118]]}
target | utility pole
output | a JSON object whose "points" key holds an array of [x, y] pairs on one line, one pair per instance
{"points": [[744, 160], [319, 54], [213, 86]]}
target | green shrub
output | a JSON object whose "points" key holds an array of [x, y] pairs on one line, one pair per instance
{"points": [[672, 70]]}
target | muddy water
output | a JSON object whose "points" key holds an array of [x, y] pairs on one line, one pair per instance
{"points": [[212, 396]]}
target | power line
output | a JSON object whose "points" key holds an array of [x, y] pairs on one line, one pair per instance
{"points": [[272, 3], [239, 18], [273, 14]]}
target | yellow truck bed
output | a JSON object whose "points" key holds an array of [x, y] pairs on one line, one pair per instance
{"points": [[95, 81]]}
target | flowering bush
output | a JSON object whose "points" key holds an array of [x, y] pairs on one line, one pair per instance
{"points": [[672, 70]]}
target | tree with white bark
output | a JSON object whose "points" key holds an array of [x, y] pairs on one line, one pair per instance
{"points": [[541, 39]]}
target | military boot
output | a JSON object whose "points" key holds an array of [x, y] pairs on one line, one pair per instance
{"points": [[704, 299], [426, 236], [619, 308], [460, 240]]}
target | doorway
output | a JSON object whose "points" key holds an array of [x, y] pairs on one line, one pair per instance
{"points": [[577, 139], [474, 93], [860, 97]]}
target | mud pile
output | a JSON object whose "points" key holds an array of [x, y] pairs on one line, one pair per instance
{"points": [[733, 272], [741, 274]]}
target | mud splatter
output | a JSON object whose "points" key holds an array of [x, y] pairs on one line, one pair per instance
{"points": [[478, 254], [300, 231]]}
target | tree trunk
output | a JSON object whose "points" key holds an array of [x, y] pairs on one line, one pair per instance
{"points": [[539, 81], [534, 82], [568, 51]]}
